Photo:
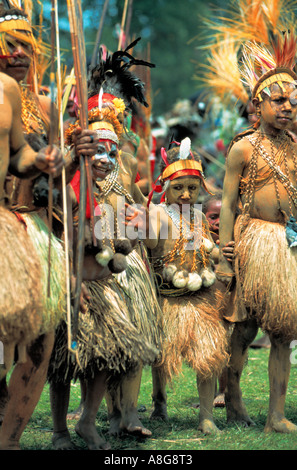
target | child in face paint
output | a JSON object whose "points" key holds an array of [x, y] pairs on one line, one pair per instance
{"points": [[180, 243]]}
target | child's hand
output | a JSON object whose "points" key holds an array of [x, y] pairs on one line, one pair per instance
{"points": [[228, 250], [136, 217]]}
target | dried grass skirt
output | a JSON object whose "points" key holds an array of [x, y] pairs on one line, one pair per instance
{"points": [[266, 277], [195, 332], [21, 305], [141, 297], [54, 305], [106, 338]]}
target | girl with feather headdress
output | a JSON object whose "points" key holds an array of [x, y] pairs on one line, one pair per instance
{"points": [[180, 245], [121, 329]]}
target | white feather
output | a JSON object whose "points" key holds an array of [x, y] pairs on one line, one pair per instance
{"points": [[185, 148], [100, 98]]}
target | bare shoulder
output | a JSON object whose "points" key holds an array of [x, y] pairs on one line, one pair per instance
{"points": [[239, 154], [10, 87], [129, 162]]}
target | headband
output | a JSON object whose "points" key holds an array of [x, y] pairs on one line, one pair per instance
{"points": [[278, 78], [187, 167], [182, 167], [15, 25], [105, 131], [118, 103]]}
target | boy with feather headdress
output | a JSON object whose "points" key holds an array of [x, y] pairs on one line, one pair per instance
{"points": [[20, 57], [261, 173]]}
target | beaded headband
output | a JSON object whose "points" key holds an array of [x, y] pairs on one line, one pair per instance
{"points": [[16, 26], [104, 130]]}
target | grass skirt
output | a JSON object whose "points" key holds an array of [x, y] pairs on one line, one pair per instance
{"points": [[141, 298], [21, 306], [266, 276], [54, 306], [106, 338], [195, 332]]}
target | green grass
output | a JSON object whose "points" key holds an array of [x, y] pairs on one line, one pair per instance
{"points": [[180, 432]]}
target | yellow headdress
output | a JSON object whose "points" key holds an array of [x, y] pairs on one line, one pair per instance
{"points": [[254, 31]]}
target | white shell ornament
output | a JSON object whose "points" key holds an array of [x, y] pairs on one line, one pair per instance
{"points": [[195, 282], [208, 277], [208, 245], [168, 272], [180, 279], [104, 256]]}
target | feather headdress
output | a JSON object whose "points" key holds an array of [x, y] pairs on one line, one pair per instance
{"points": [[114, 76], [221, 74], [111, 88], [254, 30], [262, 66]]}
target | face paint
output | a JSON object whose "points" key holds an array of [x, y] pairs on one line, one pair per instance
{"points": [[107, 150], [293, 96], [105, 159]]}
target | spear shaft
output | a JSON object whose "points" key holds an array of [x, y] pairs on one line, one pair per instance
{"points": [[64, 193], [51, 142], [99, 33], [79, 59]]}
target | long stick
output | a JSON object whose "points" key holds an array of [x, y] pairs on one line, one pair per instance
{"points": [[78, 49], [51, 142], [99, 33], [129, 17], [123, 24], [64, 193]]}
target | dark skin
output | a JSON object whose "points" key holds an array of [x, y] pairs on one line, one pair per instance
{"points": [[94, 388], [23, 163], [21, 160], [277, 114]]}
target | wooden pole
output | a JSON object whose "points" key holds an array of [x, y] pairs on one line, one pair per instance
{"points": [[99, 33]]}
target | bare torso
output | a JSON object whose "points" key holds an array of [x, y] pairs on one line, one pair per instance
{"points": [[265, 205], [6, 115]]}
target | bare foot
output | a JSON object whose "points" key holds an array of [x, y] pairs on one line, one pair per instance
{"points": [[219, 401], [91, 437], [278, 423], [236, 412], [160, 411], [62, 441], [128, 424], [9, 446], [207, 426]]}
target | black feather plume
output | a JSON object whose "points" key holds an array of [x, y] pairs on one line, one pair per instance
{"points": [[114, 76]]}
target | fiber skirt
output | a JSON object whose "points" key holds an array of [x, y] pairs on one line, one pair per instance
{"points": [[266, 277], [141, 298], [195, 332], [20, 287], [54, 305], [106, 339]]}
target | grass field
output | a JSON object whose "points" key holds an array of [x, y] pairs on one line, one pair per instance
{"points": [[180, 432]]}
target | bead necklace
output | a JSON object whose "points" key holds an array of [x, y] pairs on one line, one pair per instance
{"points": [[111, 183], [31, 113], [186, 236]]}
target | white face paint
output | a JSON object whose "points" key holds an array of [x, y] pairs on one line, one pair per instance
{"points": [[107, 151], [104, 161]]}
